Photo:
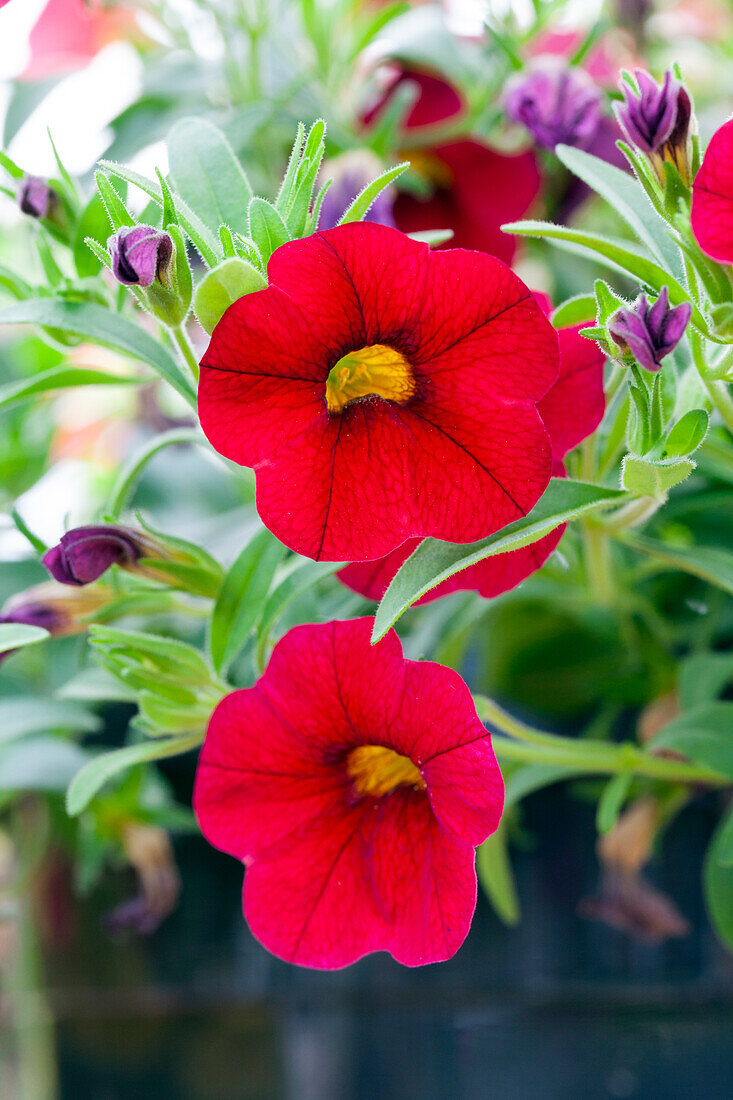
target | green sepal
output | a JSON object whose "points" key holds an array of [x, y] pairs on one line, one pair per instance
{"points": [[653, 479], [222, 286]]}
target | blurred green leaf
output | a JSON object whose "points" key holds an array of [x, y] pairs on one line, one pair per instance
{"points": [[207, 175], [495, 875], [711, 563], [26, 715], [102, 326], [60, 378], [101, 769], [39, 764], [242, 597], [718, 884], [704, 735], [702, 677]]}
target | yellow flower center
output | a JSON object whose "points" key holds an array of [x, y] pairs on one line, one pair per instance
{"points": [[376, 771], [374, 371]]}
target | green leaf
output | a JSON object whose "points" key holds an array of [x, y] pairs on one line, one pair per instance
{"points": [[533, 777], [627, 197], [199, 234], [718, 884], [134, 466], [495, 875], [96, 685], [94, 223], [86, 784], [431, 237], [25, 715], [242, 597], [11, 167], [207, 175], [724, 846], [17, 635], [702, 677], [285, 194], [60, 378], [223, 285], [167, 654], [117, 212], [653, 479], [266, 227], [575, 311], [619, 257], [433, 561], [371, 192], [302, 576], [704, 735], [612, 799], [39, 764], [102, 326], [688, 433], [710, 563]]}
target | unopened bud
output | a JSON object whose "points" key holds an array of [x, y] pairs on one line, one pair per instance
{"points": [[141, 255], [656, 120], [648, 333]]}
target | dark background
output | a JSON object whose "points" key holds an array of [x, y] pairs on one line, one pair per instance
{"points": [[557, 1007]]}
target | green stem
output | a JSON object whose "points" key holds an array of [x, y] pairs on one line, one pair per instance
{"points": [[721, 398], [182, 343], [33, 1021], [524, 743], [598, 562]]}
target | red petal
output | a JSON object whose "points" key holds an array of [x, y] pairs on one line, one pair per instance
{"points": [[574, 407], [424, 880], [488, 189], [381, 474], [712, 197]]}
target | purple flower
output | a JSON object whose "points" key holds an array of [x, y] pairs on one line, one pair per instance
{"points": [[650, 333], [85, 553], [140, 254], [35, 197], [54, 608], [350, 173], [558, 104], [656, 120]]}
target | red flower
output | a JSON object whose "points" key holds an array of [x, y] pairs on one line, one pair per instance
{"points": [[572, 410], [712, 197], [354, 785], [382, 391], [475, 188], [69, 33]]}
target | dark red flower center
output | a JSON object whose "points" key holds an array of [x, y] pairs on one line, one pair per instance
{"points": [[376, 771], [373, 371]]}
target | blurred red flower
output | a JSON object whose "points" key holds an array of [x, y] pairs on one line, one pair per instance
{"points": [[382, 391], [475, 189], [571, 411], [69, 33], [354, 785], [712, 197]]}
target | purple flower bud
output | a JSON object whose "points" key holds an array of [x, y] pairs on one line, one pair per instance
{"points": [[140, 254], [656, 121], [53, 608], [650, 333], [350, 173], [35, 197], [85, 553], [557, 103]]}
